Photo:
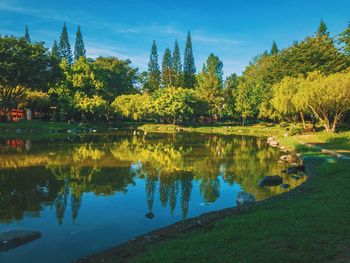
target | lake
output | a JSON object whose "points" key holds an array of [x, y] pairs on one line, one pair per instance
{"points": [[90, 192]]}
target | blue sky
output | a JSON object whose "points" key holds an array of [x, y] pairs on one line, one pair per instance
{"points": [[234, 30]]}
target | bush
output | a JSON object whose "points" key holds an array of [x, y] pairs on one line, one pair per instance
{"points": [[295, 130]]}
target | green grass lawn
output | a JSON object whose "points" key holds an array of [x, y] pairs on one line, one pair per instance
{"points": [[310, 224], [339, 142]]}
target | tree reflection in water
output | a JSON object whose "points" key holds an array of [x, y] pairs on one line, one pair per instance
{"points": [[34, 175]]}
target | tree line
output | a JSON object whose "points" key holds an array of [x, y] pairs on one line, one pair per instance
{"points": [[307, 82]]}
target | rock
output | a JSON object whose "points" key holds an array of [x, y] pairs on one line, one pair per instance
{"points": [[19, 131], [286, 158], [269, 139], [16, 238], [244, 198], [273, 143], [150, 215], [295, 169], [273, 180], [285, 186], [282, 148]]}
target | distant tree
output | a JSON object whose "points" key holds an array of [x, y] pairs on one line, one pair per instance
{"points": [[322, 29], [177, 67], [189, 69], [230, 94], [210, 84], [247, 100], [327, 97], [344, 39], [167, 67], [79, 47], [26, 34], [23, 66], [133, 106], [64, 48], [175, 105], [55, 72], [153, 70], [274, 49]]}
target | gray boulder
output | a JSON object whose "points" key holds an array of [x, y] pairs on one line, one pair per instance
{"points": [[16, 238], [244, 198], [273, 180], [295, 169]]}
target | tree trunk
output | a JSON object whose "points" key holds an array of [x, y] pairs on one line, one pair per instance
{"points": [[302, 119]]}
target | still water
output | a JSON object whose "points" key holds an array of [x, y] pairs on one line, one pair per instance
{"points": [[85, 194]]}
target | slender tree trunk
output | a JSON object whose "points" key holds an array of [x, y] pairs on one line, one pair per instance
{"points": [[302, 119]]}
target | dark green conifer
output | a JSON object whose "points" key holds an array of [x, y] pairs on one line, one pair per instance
{"points": [[189, 69], [177, 67], [167, 67], [64, 48], [26, 34], [79, 47], [274, 49], [153, 69]]}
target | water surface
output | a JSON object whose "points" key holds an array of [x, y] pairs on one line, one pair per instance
{"points": [[89, 193]]}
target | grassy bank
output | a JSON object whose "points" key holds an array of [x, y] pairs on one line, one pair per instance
{"points": [[226, 128], [307, 225]]}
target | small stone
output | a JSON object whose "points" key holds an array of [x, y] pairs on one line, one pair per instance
{"points": [[244, 198], [273, 180], [285, 186]]}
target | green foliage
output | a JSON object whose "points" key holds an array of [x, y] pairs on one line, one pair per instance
{"points": [[153, 70], [274, 49], [36, 101], [167, 68], [327, 97], [175, 105], [322, 29], [344, 39], [210, 82], [91, 107], [230, 94], [79, 47], [64, 49], [134, 106], [23, 66], [176, 67], [295, 130], [26, 34], [189, 69]]}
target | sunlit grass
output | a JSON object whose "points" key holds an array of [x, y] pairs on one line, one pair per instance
{"points": [[308, 225]]}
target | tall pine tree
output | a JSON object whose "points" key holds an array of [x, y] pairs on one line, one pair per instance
{"points": [[274, 49], [55, 73], [54, 50], [79, 47], [26, 34], [189, 70], [177, 67], [153, 70], [322, 29], [167, 66], [64, 49], [344, 39]]}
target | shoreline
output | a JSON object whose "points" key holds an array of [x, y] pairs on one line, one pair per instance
{"points": [[136, 246], [128, 250]]}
